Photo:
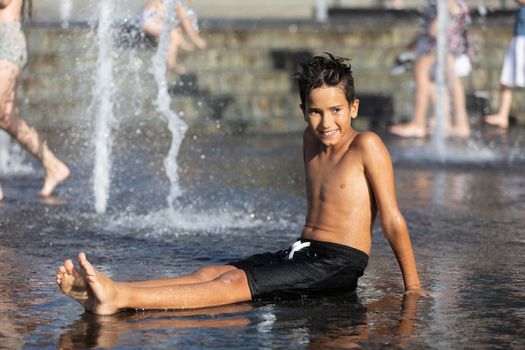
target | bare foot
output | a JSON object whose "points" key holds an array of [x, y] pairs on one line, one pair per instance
{"points": [[54, 175], [408, 130], [71, 282], [497, 120], [91, 288], [462, 132], [177, 68]]}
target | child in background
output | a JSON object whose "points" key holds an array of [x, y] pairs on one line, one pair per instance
{"points": [[458, 42], [513, 72], [151, 20], [13, 57]]}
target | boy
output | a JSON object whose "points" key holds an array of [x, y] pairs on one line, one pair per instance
{"points": [[349, 177]]}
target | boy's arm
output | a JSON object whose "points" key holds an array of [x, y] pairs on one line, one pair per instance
{"points": [[379, 171]]}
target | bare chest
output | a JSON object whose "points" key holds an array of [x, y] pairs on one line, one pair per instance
{"points": [[336, 182]]}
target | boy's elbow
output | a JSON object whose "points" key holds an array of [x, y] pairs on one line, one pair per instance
{"points": [[393, 224]]}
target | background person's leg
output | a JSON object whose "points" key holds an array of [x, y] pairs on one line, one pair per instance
{"points": [[187, 25], [501, 118], [55, 170], [461, 127], [423, 94]]}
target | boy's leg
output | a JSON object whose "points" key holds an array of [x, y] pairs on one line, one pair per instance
{"points": [[55, 170], [204, 274], [73, 283], [99, 294], [501, 118]]}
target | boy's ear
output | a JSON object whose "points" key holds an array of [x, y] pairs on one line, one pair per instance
{"points": [[354, 108]]}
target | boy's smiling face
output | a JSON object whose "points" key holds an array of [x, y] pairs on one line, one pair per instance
{"points": [[329, 114]]}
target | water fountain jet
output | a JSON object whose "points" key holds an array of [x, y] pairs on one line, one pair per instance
{"points": [[176, 125], [103, 106], [66, 9], [441, 109]]}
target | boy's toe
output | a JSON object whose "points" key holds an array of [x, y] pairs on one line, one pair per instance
{"points": [[69, 266]]}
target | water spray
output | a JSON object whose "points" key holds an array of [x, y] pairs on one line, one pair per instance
{"points": [[441, 110], [103, 106], [66, 8], [176, 125]]}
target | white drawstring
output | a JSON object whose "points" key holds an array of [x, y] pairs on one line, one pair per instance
{"points": [[298, 245]]}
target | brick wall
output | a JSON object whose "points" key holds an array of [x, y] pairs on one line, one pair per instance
{"points": [[244, 77]]}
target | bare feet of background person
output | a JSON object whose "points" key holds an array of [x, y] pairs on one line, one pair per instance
{"points": [[56, 172], [408, 130], [497, 120], [460, 131], [180, 69]]}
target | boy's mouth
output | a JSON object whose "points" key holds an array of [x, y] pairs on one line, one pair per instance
{"points": [[329, 133]]}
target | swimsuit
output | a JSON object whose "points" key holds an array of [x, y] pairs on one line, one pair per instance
{"points": [[151, 15], [307, 267], [13, 44], [191, 15]]}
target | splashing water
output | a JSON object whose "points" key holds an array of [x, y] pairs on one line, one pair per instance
{"points": [[66, 8], [176, 125], [103, 106], [11, 157], [441, 106]]}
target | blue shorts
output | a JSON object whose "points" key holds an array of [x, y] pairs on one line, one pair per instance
{"points": [[307, 267]]}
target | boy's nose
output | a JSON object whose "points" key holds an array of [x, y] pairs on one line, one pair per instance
{"points": [[326, 121]]}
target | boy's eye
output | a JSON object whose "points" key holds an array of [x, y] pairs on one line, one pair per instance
{"points": [[313, 113], [336, 110]]}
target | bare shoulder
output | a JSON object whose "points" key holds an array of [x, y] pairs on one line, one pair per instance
{"points": [[371, 147], [368, 141]]}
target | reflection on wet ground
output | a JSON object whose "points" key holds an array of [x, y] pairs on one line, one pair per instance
{"points": [[244, 194]]}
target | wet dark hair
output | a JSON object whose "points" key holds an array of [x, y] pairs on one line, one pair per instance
{"points": [[325, 71]]}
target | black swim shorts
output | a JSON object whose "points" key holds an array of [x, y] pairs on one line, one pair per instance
{"points": [[307, 267]]}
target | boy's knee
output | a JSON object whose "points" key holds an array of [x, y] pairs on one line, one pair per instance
{"points": [[208, 273], [203, 273], [234, 277]]}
